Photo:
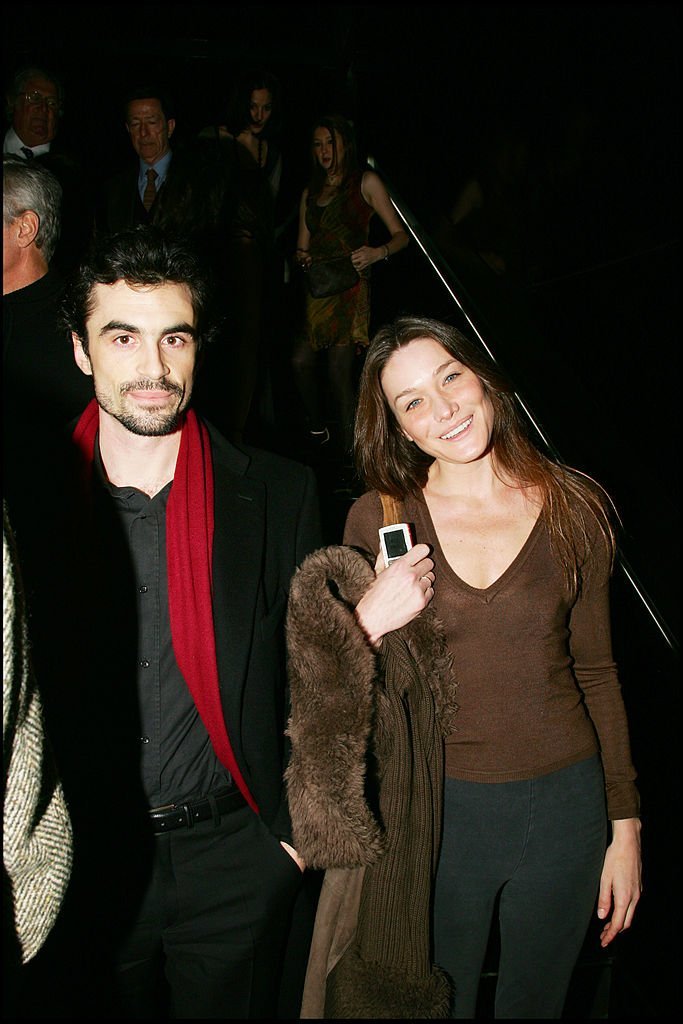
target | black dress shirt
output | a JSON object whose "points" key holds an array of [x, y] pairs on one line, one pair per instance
{"points": [[177, 760]]}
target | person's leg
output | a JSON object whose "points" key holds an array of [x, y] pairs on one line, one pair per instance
{"points": [[545, 908], [246, 272], [234, 887], [340, 386], [306, 367], [299, 938], [483, 835], [141, 991]]}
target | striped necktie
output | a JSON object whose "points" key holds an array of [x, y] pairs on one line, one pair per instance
{"points": [[28, 153], [150, 189]]}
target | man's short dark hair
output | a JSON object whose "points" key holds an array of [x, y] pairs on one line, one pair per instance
{"points": [[145, 256], [150, 91]]}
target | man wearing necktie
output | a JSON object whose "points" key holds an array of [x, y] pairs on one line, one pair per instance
{"points": [[35, 103], [129, 197], [150, 193], [35, 100]]}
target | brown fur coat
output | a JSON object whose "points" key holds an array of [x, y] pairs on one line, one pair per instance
{"points": [[365, 786]]}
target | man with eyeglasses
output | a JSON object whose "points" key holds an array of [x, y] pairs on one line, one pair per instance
{"points": [[35, 102]]}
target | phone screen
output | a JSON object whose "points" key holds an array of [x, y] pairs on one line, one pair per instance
{"points": [[396, 543]]}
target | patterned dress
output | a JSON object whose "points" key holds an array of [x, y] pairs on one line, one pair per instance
{"points": [[339, 227]]}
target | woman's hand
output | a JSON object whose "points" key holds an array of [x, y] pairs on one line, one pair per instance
{"points": [[620, 882], [303, 257], [398, 594], [365, 256]]}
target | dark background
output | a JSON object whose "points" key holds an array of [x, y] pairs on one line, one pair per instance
{"points": [[591, 338], [427, 86]]}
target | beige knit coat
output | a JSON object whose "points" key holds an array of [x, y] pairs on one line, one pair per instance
{"points": [[37, 837]]}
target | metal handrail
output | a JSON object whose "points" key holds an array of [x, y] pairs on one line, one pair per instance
{"points": [[465, 304]]}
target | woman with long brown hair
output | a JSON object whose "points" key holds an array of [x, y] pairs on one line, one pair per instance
{"points": [[538, 760], [513, 555]]}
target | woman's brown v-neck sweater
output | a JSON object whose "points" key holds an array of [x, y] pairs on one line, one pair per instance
{"points": [[538, 687]]}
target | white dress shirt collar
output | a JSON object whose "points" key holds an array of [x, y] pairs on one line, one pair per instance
{"points": [[14, 145]]}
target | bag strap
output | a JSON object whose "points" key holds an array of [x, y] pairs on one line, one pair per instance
{"points": [[392, 508]]}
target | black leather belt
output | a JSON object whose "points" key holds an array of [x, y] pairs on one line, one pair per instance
{"points": [[171, 816]]}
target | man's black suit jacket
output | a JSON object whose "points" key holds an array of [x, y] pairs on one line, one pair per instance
{"points": [[83, 630], [119, 206], [266, 522]]}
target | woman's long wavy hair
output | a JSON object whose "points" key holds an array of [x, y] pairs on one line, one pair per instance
{"points": [[388, 462]]}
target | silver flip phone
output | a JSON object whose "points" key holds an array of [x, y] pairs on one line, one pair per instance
{"points": [[395, 541]]}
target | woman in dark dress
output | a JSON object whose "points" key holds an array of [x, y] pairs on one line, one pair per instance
{"points": [[334, 217]]}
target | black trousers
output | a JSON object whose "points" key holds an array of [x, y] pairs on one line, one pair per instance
{"points": [[210, 935], [539, 846]]}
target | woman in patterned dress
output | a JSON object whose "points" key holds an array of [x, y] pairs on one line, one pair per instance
{"points": [[334, 218]]}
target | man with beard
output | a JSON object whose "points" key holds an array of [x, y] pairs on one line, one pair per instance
{"points": [[159, 616]]}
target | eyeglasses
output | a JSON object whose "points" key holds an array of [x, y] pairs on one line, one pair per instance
{"points": [[36, 99]]}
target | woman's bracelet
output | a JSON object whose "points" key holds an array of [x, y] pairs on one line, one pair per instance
{"points": [[386, 252]]}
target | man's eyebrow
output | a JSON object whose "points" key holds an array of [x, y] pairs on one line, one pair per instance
{"points": [[182, 328], [120, 325]]}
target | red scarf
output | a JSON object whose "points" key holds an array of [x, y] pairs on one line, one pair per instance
{"points": [[189, 547]]}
